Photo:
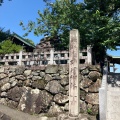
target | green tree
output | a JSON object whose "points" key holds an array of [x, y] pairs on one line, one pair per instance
{"points": [[2, 1], [97, 20], [4, 34], [30, 41], [7, 47]]}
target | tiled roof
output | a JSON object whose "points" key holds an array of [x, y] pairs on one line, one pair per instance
{"points": [[22, 39]]}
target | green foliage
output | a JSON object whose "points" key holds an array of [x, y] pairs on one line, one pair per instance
{"points": [[2, 1], [4, 34], [7, 47], [30, 41], [97, 21], [89, 111]]}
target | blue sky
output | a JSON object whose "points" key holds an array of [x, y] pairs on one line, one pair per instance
{"points": [[12, 12], [115, 53]]}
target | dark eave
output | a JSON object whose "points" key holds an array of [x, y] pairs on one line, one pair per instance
{"points": [[22, 40], [114, 59]]}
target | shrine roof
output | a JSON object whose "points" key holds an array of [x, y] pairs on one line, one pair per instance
{"points": [[22, 40], [114, 59]]}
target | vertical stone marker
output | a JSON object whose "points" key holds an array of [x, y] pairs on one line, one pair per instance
{"points": [[74, 94]]}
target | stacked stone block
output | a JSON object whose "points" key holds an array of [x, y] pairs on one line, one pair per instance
{"points": [[46, 90]]}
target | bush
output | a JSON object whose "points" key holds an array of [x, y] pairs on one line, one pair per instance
{"points": [[7, 47]]}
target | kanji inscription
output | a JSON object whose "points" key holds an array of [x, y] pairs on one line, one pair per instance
{"points": [[74, 108]]}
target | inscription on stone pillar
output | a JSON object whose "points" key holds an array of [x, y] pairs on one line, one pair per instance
{"points": [[74, 107]]}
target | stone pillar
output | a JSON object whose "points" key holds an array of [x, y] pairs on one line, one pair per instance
{"points": [[103, 95], [6, 63], [15, 57], [89, 54], [74, 91], [51, 56], [113, 68], [20, 58]]}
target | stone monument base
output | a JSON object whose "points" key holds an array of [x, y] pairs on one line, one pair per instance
{"points": [[65, 116]]}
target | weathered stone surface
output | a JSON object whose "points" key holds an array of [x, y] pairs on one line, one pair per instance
{"points": [[51, 69], [12, 104], [20, 77], [63, 73], [55, 83], [85, 83], [62, 76], [4, 81], [27, 83], [94, 68], [19, 70], [85, 71], [54, 87], [2, 75], [4, 117], [65, 116], [94, 110], [60, 98], [67, 87], [20, 83], [89, 106], [48, 117], [15, 93], [80, 77], [27, 72], [3, 94], [12, 79], [2, 69], [12, 74], [82, 95], [35, 73], [27, 100], [6, 70], [94, 75], [14, 83], [95, 87], [66, 108], [36, 78], [63, 69], [42, 74], [43, 101], [48, 77], [3, 101], [92, 98], [5, 87], [40, 84], [85, 89], [82, 68], [35, 101], [12, 69], [30, 76], [65, 81], [83, 106], [55, 109], [56, 77], [74, 73]]}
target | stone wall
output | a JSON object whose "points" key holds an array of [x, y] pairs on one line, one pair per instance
{"points": [[45, 89]]}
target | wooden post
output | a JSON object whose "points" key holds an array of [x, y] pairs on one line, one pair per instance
{"points": [[74, 91]]}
